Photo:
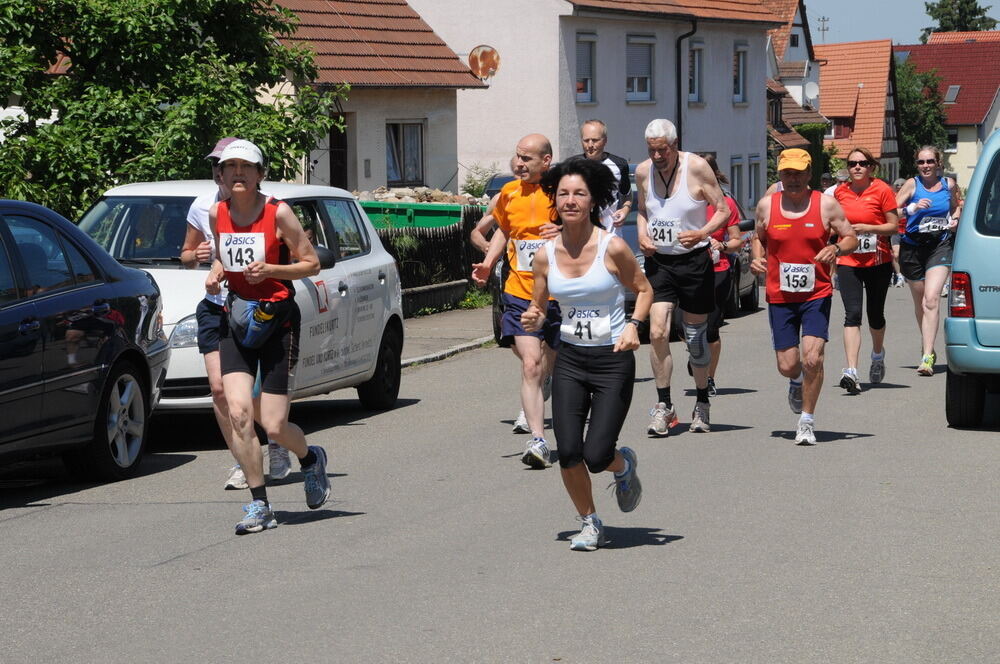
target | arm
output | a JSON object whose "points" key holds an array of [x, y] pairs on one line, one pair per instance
{"points": [[734, 238], [833, 216], [481, 271], [216, 275], [758, 252], [645, 243], [478, 234], [627, 269], [197, 249], [956, 202], [624, 196], [534, 316], [713, 195], [290, 232]]}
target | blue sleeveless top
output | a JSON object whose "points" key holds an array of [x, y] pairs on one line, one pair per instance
{"points": [[927, 226]]}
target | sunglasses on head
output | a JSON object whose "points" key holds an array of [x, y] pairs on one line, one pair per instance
{"points": [[926, 162], [863, 162]]}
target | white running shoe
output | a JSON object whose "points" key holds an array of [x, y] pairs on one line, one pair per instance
{"points": [[849, 381], [699, 418], [236, 480], [278, 462], [521, 424], [805, 434], [591, 535], [662, 419], [536, 454]]}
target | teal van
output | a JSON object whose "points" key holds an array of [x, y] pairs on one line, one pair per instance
{"points": [[972, 325]]}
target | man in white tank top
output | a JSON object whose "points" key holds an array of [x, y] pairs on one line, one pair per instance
{"points": [[674, 190]]}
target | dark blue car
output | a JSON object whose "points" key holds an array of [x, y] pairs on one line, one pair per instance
{"points": [[82, 350]]}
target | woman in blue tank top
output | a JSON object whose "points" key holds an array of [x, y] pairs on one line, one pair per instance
{"points": [[932, 206], [585, 269]]}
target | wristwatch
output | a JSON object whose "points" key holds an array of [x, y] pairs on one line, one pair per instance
{"points": [[635, 322]]}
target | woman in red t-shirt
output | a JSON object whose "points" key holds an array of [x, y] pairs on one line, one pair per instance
{"points": [[870, 206]]}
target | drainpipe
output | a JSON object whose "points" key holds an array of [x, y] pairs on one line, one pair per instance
{"points": [[679, 122]]}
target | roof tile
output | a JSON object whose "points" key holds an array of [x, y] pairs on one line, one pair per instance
{"points": [[953, 37], [785, 11], [962, 64], [743, 11]]}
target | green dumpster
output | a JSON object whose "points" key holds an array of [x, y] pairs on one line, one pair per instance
{"points": [[394, 214]]}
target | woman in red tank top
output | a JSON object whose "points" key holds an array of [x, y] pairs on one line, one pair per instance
{"points": [[257, 238]]}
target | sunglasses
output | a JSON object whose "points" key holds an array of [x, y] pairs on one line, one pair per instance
{"points": [[864, 162], [926, 162]]}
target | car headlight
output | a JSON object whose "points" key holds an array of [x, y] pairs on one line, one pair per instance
{"points": [[185, 333]]}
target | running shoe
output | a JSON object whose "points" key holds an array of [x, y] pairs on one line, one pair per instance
{"points": [[805, 434], [877, 371], [521, 424], [236, 479], [591, 535], [278, 463], [712, 392], [795, 397], [258, 516], [536, 454], [546, 388], [849, 381], [926, 367], [316, 484], [699, 418], [628, 488], [663, 419]]}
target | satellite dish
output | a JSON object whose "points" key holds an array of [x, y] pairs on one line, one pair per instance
{"points": [[812, 90], [484, 61]]}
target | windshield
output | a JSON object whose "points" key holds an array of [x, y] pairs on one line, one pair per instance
{"points": [[139, 228]]}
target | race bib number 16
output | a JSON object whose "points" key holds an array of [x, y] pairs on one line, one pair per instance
{"points": [[238, 250], [867, 243]]}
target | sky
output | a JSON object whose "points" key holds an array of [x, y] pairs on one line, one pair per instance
{"points": [[863, 20]]}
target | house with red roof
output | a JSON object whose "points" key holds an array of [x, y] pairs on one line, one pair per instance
{"points": [[962, 37], [698, 63], [400, 115], [970, 86], [858, 80]]}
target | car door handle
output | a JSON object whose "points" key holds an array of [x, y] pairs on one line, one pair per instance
{"points": [[101, 308], [27, 327], [381, 277], [342, 287]]}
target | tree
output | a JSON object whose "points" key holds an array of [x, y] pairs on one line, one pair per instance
{"points": [[149, 87], [921, 113], [957, 16]]}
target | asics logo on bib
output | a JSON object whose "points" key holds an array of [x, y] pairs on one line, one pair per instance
{"points": [[575, 313], [796, 269], [237, 241]]}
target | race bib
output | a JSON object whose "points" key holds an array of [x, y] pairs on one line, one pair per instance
{"points": [[797, 277], [664, 232], [932, 225], [867, 243], [586, 325], [526, 250], [238, 250]]}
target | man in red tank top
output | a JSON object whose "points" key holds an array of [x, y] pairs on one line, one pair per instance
{"points": [[792, 247]]}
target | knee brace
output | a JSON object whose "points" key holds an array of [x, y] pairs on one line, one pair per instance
{"points": [[696, 337]]}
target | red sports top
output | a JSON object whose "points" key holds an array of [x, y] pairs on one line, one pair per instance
{"points": [[238, 248], [722, 235], [868, 207], [791, 246]]}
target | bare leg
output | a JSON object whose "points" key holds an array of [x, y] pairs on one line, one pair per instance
{"points": [[274, 419], [917, 292], [934, 280], [577, 483], [878, 340], [812, 366], [716, 347], [662, 363], [213, 367], [852, 345], [245, 447], [789, 364], [529, 349]]}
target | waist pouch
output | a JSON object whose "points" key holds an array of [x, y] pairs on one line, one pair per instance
{"points": [[244, 325]]}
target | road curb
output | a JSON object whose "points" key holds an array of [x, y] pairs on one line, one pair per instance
{"points": [[440, 355]]}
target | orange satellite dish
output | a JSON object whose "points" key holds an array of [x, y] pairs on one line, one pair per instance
{"points": [[484, 61]]}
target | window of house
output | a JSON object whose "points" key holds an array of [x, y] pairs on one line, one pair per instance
{"points": [[404, 153], [740, 74], [585, 42], [695, 69], [793, 40], [736, 177], [830, 131], [639, 68], [951, 96], [774, 112], [952, 140], [842, 127]]}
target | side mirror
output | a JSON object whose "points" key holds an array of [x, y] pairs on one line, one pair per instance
{"points": [[326, 257]]}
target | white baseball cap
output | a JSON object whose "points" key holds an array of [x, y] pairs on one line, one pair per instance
{"points": [[245, 150]]}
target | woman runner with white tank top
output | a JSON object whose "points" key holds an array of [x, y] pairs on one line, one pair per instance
{"points": [[585, 269]]}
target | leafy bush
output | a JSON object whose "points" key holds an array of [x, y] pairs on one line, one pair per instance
{"points": [[477, 178]]}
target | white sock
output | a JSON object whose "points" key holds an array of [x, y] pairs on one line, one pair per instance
{"points": [[628, 467], [592, 517], [878, 356], [806, 417]]}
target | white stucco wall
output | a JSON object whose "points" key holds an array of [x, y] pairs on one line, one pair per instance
{"points": [[962, 161], [368, 111]]}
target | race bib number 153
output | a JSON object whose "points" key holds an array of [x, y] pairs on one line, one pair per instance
{"points": [[797, 277]]}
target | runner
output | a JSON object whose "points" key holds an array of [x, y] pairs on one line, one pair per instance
{"points": [[897, 277], [723, 242], [585, 269], [931, 203], [593, 139], [199, 247], [258, 239], [523, 224], [795, 225], [870, 207], [674, 190]]}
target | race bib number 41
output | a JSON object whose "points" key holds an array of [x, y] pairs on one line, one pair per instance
{"points": [[664, 232], [526, 250], [797, 277], [867, 243], [238, 250], [586, 326]]}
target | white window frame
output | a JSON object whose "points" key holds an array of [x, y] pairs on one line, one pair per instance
{"points": [[753, 188], [736, 177], [696, 72], [951, 95], [740, 59], [587, 40], [952, 146], [398, 153], [635, 80]]}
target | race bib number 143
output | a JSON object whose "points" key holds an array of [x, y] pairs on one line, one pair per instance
{"points": [[238, 250]]}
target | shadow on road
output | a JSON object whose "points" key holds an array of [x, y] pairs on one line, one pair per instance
{"points": [[823, 436], [627, 538], [33, 481], [299, 518]]}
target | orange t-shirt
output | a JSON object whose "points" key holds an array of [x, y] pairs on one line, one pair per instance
{"points": [[868, 207], [521, 211]]}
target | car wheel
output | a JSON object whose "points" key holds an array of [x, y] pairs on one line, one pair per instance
{"points": [[964, 397], [380, 391], [119, 430], [751, 301]]}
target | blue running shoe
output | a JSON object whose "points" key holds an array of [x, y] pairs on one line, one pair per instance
{"points": [[317, 484], [258, 517], [628, 488]]}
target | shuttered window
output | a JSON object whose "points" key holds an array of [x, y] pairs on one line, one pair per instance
{"points": [[585, 67], [639, 69]]}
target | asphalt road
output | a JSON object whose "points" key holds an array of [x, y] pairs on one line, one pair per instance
{"points": [[880, 544]]}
